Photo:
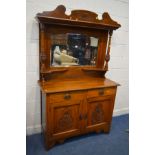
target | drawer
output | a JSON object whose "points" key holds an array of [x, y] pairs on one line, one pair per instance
{"points": [[101, 92], [66, 96]]}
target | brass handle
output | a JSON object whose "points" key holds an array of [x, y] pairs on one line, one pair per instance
{"points": [[85, 116], [101, 92], [80, 117], [67, 96]]}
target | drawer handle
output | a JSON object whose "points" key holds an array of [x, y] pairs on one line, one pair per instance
{"points": [[67, 96], [80, 117], [85, 116], [101, 92]]}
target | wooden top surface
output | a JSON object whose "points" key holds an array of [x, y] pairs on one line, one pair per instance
{"points": [[85, 84]]}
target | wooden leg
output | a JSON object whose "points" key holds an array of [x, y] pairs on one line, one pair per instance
{"points": [[98, 131], [106, 128], [49, 145], [61, 141]]}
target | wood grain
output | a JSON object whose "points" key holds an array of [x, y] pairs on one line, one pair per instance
{"points": [[78, 99]]}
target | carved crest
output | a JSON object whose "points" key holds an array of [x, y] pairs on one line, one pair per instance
{"points": [[77, 16]]}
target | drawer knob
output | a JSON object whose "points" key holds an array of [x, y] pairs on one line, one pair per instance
{"points": [[101, 92], [80, 117], [85, 116], [67, 96]]}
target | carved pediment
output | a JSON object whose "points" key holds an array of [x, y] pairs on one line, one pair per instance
{"points": [[83, 15], [59, 12], [77, 16]]}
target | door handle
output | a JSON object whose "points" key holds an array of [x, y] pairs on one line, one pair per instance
{"points": [[85, 116], [80, 117]]}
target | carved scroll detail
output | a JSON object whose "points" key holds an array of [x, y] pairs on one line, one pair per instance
{"points": [[107, 20], [83, 15], [97, 115], [58, 12], [66, 121]]}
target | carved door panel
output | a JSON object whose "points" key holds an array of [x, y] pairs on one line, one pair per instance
{"points": [[98, 111], [64, 118]]}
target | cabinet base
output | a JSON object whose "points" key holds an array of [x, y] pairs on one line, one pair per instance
{"points": [[50, 143]]}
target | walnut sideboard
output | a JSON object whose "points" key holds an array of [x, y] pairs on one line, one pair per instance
{"points": [[72, 108], [74, 51]]}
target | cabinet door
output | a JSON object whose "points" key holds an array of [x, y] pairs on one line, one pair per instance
{"points": [[98, 112], [64, 118]]}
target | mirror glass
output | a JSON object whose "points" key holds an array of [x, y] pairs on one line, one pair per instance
{"points": [[73, 49]]}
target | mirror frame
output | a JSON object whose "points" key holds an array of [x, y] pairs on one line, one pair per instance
{"points": [[79, 21], [73, 49]]}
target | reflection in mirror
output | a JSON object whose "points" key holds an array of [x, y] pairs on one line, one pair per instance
{"points": [[73, 50]]}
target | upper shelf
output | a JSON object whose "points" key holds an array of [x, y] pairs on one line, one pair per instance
{"points": [[94, 69], [54, 71], [77, 18], [57, 70]]}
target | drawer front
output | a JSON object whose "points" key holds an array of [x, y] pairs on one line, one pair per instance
{"points": [[66, 96], [101, 92]]}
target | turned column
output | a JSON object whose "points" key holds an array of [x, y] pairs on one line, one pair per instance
{"points": [[107, 57], [42, 51]]}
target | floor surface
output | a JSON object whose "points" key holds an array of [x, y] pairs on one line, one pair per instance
{"points": [[114, 143]]}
